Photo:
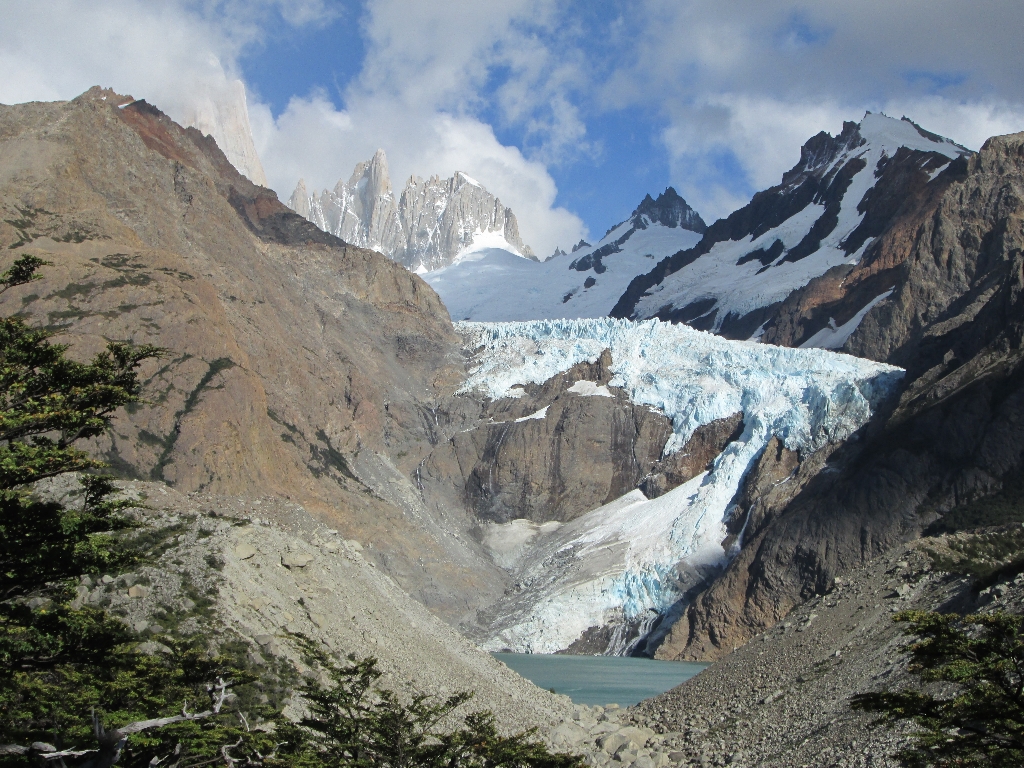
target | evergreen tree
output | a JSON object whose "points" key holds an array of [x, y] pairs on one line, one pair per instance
{"points": [[354, 723], [973, 713], [72, 678]]}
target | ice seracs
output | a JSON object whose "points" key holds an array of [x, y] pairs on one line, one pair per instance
{"points": [[434, 223], [632, 559]]}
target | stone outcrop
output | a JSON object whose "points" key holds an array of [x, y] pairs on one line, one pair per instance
{"points": [[583, 452], [956, 322], [432, 222], [701, 449]]}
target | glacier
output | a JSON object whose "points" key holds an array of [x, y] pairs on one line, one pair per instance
{"points": [[633, 558]]}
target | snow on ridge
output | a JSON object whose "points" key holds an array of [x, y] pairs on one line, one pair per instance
{"points": [[633, 556], [890, 134], [490, 285], [833, 337], [485, 240], [739, 289]]}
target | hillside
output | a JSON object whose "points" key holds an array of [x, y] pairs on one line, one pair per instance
{"points": [[296, 364]]}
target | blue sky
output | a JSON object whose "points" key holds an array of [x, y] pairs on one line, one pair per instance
{"points": [[569, 111]]}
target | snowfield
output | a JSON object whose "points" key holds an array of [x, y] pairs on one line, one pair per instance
{"points": [[630, 560], [489, 283]]}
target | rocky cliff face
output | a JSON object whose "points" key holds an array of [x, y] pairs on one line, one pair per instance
{"points": [[362, 212], [429, 227], [297, 366], [955, 319], [226, 119]]}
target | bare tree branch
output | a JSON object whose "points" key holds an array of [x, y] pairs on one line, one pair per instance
{"points": [[112, 742]]}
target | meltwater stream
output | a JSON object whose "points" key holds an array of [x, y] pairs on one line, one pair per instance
{"points": [[601, 680]]}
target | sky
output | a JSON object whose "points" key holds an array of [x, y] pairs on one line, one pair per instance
{"points": [[570, 112]]}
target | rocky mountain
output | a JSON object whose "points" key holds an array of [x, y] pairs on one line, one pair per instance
{"points": [[955, 321], [592, 486], [226, 119], [489, 285], [303, 368], [822, 218], [433, 224], [298, 367]]}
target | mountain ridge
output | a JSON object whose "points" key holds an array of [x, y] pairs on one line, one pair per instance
{"points": [[432, 224]]}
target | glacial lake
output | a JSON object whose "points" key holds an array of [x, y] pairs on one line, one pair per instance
{"points": [[601, 679]]}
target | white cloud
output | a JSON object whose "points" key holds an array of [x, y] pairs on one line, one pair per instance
{"points": [[739, 86], [58, 49], [313, 140], [415, 96], [743, 84], [760, 135]]}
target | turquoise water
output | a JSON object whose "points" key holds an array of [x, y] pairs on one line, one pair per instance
{"points": [[601, 679]]}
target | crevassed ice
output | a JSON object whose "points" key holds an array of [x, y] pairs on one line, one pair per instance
{"points": [[632, 555]]}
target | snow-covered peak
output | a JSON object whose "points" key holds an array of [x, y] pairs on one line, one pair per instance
{"points": [[488, 283], [887, 134], [825, 214], [433, 224]]}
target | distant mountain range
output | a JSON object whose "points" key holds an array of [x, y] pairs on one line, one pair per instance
{"points": [[431, 225]]}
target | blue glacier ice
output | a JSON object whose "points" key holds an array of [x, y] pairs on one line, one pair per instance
{"points": [[634, 556]]}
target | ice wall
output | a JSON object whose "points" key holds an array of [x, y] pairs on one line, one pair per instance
{"points": [[636, 555]]}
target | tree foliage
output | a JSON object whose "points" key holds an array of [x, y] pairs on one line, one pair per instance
{"points": [[972, 711], [352, 722], [71, 675]]}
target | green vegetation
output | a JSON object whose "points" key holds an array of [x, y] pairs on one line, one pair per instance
{"points": [[972, 713], [353, 723], [79, 688]]}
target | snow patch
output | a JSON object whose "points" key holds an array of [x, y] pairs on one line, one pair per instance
{"points": [[489, 283], [536, 415], [833, 337], [589, 389]]}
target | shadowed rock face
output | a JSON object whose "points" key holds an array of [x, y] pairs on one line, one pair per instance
{"points": [[956, 322], [583, 452]]}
